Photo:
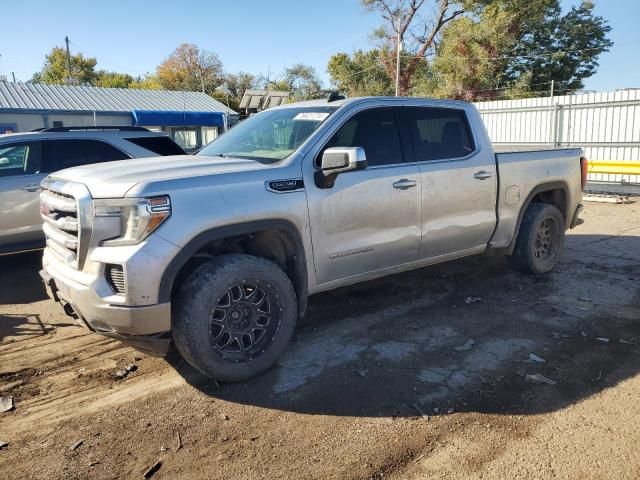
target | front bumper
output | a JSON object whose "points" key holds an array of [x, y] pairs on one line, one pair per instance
{"points": [[143, 327]]}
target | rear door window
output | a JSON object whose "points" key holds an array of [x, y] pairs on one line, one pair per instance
{"points": [[438, 133], [21, 158], [73, 153], [159, 145]]}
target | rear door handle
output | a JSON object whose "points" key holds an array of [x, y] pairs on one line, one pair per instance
{"points": [[482, 175], [31, 187], [404, 184]]}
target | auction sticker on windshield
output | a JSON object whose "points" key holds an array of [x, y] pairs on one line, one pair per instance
{"points": [[313, 116]]}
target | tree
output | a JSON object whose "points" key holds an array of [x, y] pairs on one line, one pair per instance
{"points": [[302, 81], [190, 68], [565, 49], [479, 49], [237, 83], [405, 23], [113, 79], [146, 82], [473, 52], [360, 74], [54, 70], [515, 48]]}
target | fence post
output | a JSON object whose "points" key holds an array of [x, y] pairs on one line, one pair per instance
{"points": [[556, 133]]}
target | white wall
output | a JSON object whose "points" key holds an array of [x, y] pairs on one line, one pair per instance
{"points": [[606, 125], [30, 121]]}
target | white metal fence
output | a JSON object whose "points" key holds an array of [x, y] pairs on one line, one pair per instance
{"points": [[606, 125]]}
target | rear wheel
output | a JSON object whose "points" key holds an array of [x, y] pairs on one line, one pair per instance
{"points": [[540, 239], [234, 316]]}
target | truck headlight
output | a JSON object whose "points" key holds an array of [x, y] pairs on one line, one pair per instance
{"points": [[138, 217]]}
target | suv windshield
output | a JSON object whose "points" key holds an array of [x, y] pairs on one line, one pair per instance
{"points": [[269, 136]]}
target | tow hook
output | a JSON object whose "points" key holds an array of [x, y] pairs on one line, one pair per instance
{"points": [[68, 309]]}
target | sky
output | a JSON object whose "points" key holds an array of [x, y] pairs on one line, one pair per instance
{"points": [[252, 36]]}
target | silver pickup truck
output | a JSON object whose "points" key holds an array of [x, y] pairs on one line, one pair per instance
{"points": [[218, 252]]}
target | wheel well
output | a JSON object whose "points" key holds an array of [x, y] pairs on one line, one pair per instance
{"points": [[277, 245], [553, 194], [556, 197]]}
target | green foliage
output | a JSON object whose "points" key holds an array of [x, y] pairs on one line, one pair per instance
{"points": [[360, 74], [55, 71], [565, 49], [302, 81], [226, 99], [113, 79], [485, 49], [147, 82], [237, 83], [523, 44]]}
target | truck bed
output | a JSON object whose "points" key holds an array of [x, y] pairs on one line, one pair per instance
{"points": [[524, 169], [512, 148]]}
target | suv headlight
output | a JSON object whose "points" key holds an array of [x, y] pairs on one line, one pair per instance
{"points": [[138, 217]]}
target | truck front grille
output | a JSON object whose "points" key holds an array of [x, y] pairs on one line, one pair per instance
{"points": [[61, 206]]}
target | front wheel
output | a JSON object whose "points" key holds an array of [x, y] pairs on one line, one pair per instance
{"points": [[540, 239], [234, 316]]}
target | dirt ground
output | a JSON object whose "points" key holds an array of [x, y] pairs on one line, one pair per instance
{"points": [[421, 375]]}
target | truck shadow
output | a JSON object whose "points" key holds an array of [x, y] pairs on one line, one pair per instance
{"points": [[15, 328], [19, 278], [470, 335]]}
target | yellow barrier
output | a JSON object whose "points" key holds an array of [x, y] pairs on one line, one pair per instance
{"points": [[614, 167]]}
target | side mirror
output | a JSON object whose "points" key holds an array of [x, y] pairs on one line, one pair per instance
{"points": [[337, 160]]}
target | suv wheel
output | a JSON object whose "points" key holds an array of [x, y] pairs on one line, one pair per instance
{"points": [[234, 316], [540, 239]]}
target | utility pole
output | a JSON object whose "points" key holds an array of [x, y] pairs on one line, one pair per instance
{"points": [[398, 50], [553, 84], [66, 40], [13, 75]]}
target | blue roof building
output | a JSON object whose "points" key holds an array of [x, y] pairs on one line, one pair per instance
{"points": [[192, 119]]}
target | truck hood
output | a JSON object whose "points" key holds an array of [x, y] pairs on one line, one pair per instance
{"points": [[115, 179]]}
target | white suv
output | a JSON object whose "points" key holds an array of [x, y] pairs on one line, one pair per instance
{"points": [[27, 158]]}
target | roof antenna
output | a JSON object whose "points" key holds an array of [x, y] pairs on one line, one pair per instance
{"points": [[335, 95]]}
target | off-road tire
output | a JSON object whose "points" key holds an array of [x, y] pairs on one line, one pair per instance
{"points": [[532, 239], [198, 303]]}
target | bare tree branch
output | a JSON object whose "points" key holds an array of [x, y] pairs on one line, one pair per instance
{"points": [[402, 19]]}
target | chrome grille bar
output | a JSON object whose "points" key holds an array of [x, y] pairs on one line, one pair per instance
{"points": [[66, 210], [68, 224], [60, 237], [59, 202]]}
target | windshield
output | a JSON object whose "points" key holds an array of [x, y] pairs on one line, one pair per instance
{"points": [[269, 136]]}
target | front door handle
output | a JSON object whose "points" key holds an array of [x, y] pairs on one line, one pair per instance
{"points": [[31, 187], [482, 175], [404, 184]]}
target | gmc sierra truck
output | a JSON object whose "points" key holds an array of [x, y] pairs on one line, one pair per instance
{"points": [[217, 253]]}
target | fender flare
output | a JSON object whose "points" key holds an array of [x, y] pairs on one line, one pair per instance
{"points": [[545, 187], [300, 281]]}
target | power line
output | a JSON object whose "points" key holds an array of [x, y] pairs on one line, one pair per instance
{"points": [[514, 57], [330, 47]]}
